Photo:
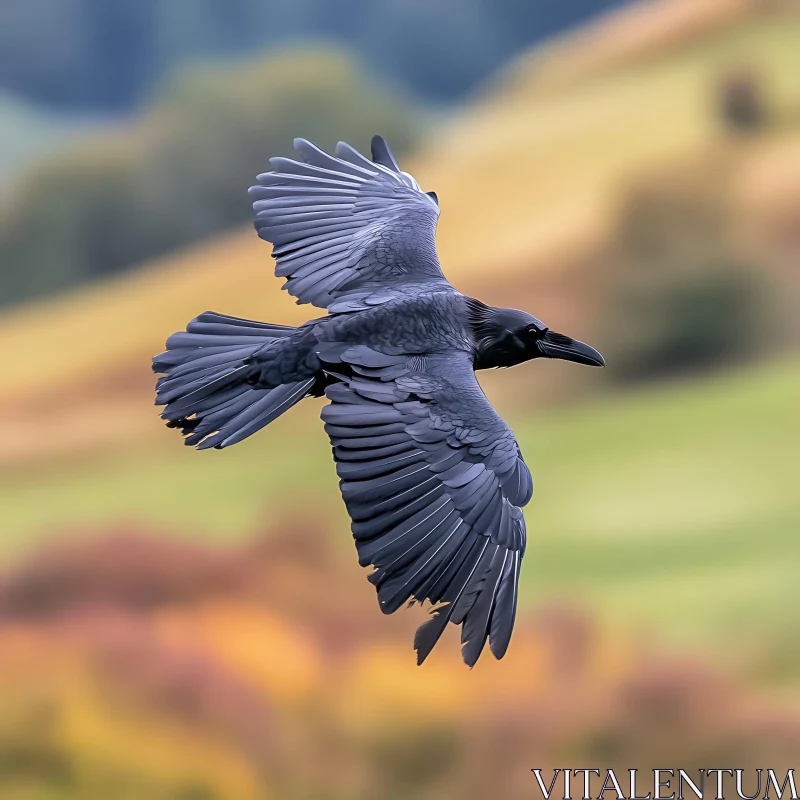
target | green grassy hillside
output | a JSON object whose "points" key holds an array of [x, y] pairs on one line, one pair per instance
{"points": [[696, 456], [674, 508], [672, 505]]}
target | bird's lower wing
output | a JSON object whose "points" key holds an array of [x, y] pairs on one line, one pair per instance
{"points": [[345, 229], [433, 481]]}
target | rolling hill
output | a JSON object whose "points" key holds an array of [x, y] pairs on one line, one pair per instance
{"points": [[527, 176]]}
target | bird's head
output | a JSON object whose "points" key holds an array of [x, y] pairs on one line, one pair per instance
{"points": [[505, 337]]}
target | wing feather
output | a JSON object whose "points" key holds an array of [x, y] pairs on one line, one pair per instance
{"points": [[341, 223], [430, 476]]}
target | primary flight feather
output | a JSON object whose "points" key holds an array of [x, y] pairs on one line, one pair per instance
{"points": [[432, 477]]}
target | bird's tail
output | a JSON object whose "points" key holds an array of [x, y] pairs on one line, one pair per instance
{"points": [[207, 388]]}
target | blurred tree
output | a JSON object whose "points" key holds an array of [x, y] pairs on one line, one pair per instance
{"points": [[685, 317], [181, 173], [742, 104], [685, 295]]}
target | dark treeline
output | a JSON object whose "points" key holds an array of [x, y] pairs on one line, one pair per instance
{"points": [[110, 54], [179, 172]]}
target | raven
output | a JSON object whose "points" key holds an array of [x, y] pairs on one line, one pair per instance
{"points": [[432, 478]]}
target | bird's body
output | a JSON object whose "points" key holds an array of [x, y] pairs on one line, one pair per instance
{"points": [[432, 478]]}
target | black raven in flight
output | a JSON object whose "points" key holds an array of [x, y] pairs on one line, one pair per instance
{"points": [[432, 477]]}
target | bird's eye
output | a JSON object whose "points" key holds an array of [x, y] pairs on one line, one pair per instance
{"points": [[532, 330]]}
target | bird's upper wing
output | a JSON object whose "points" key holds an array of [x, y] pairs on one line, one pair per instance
{"points": [[346, 228], [433, 480]]}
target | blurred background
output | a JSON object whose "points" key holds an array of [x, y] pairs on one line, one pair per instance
{"points": [[178, 625]]}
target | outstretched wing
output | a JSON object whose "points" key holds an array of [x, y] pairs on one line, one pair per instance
{"points": [[346, 226], [433, 480]]}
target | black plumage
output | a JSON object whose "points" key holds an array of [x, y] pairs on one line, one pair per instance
{"points": [[432, 477]]}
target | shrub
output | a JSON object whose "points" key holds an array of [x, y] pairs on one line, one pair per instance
{"points": [[685, 296]]}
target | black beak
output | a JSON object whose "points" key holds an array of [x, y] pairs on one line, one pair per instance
{"points": [[556, 345]]}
